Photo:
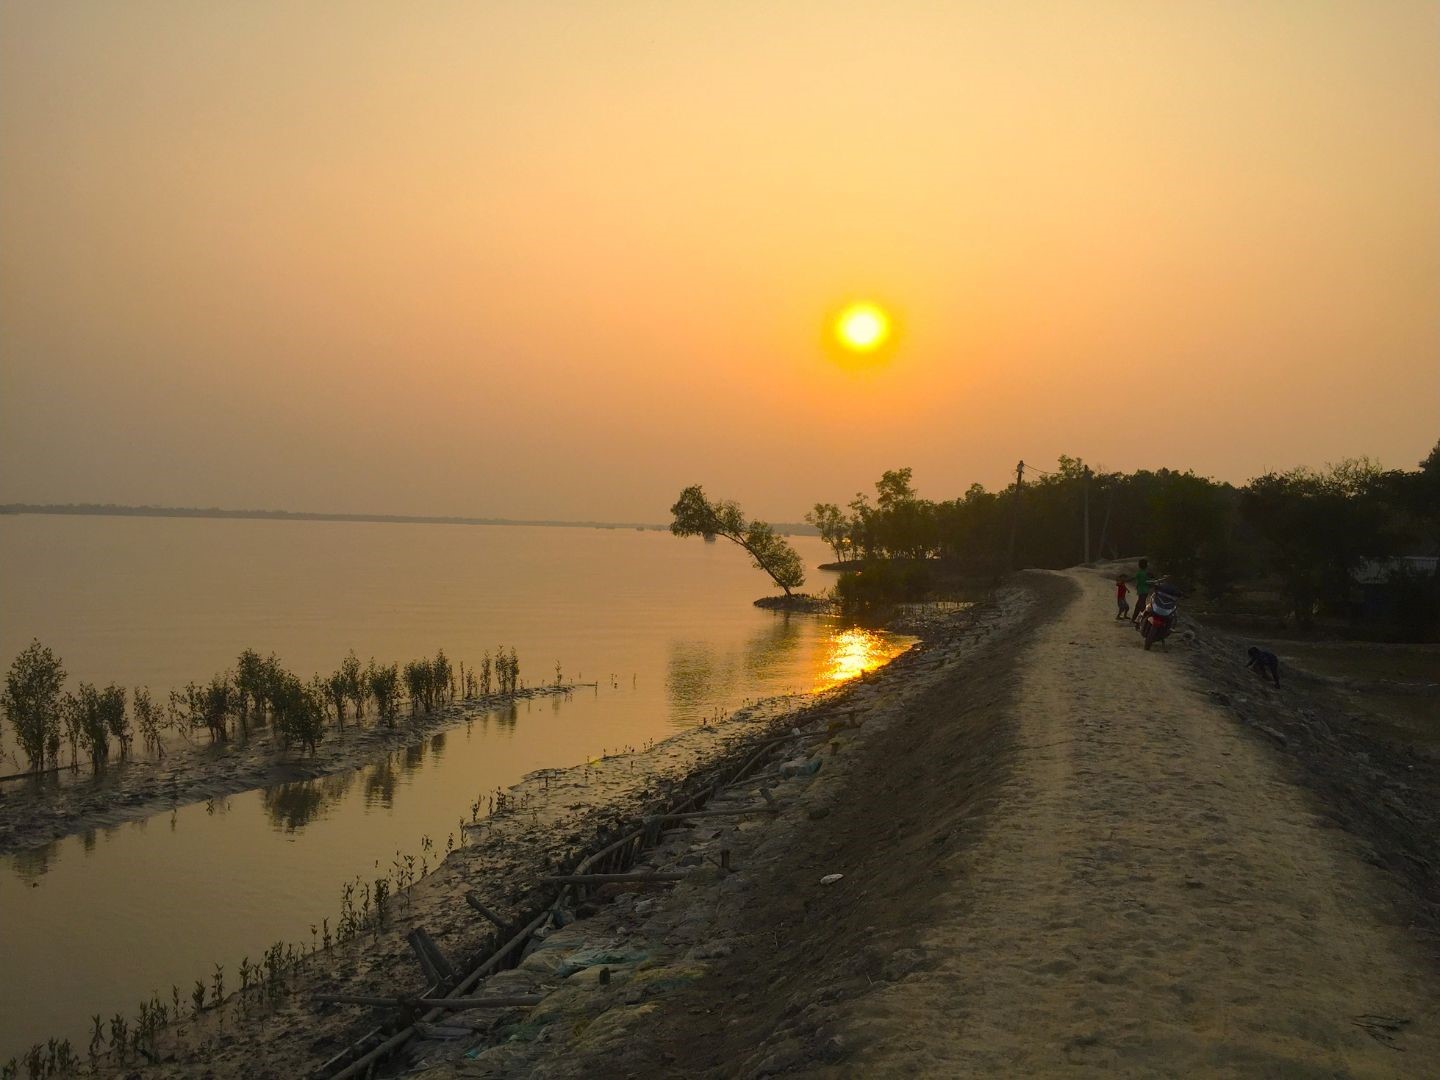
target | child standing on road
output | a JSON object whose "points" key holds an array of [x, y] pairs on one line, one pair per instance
{"points": [[1121, 604]]}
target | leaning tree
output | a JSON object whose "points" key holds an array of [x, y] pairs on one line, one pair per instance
{"points": [[695, 515]]}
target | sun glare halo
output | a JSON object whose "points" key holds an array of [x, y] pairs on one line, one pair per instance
{"points": [[862, 327]]}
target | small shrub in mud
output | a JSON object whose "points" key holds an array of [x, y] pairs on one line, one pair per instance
{"points": [[430, 683], [356, 688], [347, 684], [150, 721], [115, 718], [31, 703], [507, 670], [217, 704], [442, 676], [298, 711], [85, 724], [251, 683], [384, 684], [419, 685]]}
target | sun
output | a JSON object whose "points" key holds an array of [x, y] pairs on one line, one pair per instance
{"points": [[862, 328]]}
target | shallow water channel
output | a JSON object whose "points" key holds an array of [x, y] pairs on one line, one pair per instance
{"points": [[665, 628]]}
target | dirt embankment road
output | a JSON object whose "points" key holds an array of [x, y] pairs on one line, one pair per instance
{"points": [[1062, 857]]}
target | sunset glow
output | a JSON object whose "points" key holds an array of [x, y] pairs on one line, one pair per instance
{"points": [[504, 217]]}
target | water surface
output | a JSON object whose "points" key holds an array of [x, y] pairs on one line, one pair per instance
{"points": [[95, 922]]}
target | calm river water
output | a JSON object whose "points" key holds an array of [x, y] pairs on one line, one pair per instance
{"points": [[94, 923]]}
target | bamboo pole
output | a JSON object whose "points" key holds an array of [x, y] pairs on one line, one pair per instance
{"points": [[737, 812], [513, 1001], [473, 899], [606, 879]]}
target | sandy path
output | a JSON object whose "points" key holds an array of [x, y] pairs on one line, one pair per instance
{"points": [[1150, 896]]}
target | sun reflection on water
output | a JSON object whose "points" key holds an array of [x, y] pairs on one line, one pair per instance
{"points": [[848, 654]]}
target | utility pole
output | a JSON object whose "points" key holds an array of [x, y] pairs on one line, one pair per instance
{"points": [[1105, 524], [1015, 515], [1087, 515]]}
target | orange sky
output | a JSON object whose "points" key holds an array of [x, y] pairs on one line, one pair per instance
{"points": [[560, 260]]}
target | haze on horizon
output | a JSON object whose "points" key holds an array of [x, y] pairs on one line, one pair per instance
{"points": [[560, 260]]}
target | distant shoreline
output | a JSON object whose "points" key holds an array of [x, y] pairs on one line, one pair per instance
{"points": [[115, 510]]}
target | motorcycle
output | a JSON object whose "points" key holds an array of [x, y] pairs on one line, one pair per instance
{"points": [[1159, 616]]}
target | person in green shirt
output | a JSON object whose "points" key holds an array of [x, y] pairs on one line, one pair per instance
{"points": [[1142, 589]]}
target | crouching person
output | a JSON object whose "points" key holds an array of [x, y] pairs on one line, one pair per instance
{"points": [[1264, 663]]}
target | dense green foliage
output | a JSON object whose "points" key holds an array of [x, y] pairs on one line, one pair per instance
{"points": [[1305, 531], [695, 515]]}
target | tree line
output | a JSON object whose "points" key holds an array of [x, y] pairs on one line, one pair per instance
{"points": [[1304, 530], [96, 723]]}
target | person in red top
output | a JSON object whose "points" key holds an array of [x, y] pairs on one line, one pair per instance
{"points": [[1122, 605]]}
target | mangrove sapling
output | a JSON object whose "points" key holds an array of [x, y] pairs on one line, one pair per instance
{"points": [[382, 903], [384, 685], [65, 1059], [337, 692], [417, 684], [111, 704], [355, 686], [219, 705], [217, 985], [84, 705], [150, 720], [485, 675], [119, 1035], [72, 715], [250, 683], [442, 679], [31, 702], [197, 999], [298, 711]]}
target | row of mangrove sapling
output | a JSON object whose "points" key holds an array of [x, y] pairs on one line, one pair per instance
{"points": [[97, 723]]}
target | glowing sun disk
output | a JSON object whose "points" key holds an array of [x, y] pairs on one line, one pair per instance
{"points": [[862, 327]]}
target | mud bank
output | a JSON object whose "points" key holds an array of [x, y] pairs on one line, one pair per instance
{"points": [[45, 808]]}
